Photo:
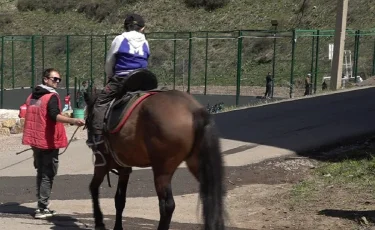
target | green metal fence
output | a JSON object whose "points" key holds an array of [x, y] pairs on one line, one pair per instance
{"points": [[206, 62]]}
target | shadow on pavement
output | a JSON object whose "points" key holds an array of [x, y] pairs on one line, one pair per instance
{"points": [[303, 124]]}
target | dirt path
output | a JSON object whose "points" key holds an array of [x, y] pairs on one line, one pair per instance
{"points": [[266, 197]]}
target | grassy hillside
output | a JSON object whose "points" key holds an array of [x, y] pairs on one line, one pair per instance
{"points": [[99, 17]]}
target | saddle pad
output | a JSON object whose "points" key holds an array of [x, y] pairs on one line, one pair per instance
{"points": [[121, 111]]}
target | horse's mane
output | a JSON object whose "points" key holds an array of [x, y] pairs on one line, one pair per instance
{"points": [[89, 98]]}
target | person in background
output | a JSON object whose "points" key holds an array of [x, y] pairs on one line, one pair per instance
{"points": [[22, 110], [67, 105], [307, 84], [268, 85], [45, 133], [324, 85]]}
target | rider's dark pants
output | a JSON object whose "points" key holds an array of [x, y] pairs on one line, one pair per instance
{"points": [[46, 162], [112, 90]]}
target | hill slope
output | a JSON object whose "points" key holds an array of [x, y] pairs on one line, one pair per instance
{"points": [[83, 18]]}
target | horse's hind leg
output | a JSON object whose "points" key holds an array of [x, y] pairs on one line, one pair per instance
{"points": [[99, 174], [166, 201], [120, 198], [193, 165]]}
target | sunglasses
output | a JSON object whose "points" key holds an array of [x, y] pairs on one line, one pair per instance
{"points": [[55, 79]]}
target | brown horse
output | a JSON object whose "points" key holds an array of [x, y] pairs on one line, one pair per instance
{"points": [[163, 131]]}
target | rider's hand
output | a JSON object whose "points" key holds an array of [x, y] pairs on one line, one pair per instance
{"points": [[79, 122]]}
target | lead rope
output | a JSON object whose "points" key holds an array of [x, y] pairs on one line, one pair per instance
{"points": [[71, 139]]}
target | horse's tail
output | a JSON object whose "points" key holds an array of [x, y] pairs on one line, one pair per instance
{"points": [[211, 170]]}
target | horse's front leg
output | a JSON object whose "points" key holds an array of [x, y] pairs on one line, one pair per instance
{"points": [[120, 198], [99, 174]]}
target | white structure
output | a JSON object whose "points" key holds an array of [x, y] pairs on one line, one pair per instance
{"points": [[347, 69]]}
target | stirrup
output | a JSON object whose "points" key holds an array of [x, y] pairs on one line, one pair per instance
{"points": [[95, 154], [94, 141]]}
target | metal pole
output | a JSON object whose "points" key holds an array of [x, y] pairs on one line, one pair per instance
{"points": [[291, 93], [239, 67], [316, 61], [355, 55], [357, 36], [42, 53], [67, 63], [12, 63], [75, 92], [312, 58], [189, 64], [2, 72], [32, 61], [373, 61], [105, 58], [206, 66], [79, 90], [91, 57], [174, 61], [273, 60]]}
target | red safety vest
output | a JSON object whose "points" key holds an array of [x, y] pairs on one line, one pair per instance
{"points": [[40, 130]]}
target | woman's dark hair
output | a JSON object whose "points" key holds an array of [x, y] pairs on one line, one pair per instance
{"points": [[132, 27], [134, 22], [46, 73]]}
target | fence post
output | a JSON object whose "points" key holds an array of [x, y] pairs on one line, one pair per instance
{"points": [[12, 62], [91, 61], [2, 72], [316, 60], [356, 53], [312, 58], [292, 64], [105, 58], [174, 60], [42, 52], [189, 64], [273, 61], [91, 57], [239, 66], [75, 92], [206, 66], [67, 63], [32, 61]]}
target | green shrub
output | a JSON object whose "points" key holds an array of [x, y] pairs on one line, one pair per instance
{"points": [[208, 4], [27, 5], [59, 6], [55, 6], [5, 19], [97, 10]]}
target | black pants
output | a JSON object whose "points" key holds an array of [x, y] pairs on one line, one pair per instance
{"points": [[268, 91], [307, 89], [46, 163], [113, 89]]}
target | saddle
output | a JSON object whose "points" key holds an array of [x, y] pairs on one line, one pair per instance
{"points": [[140, 85]]}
